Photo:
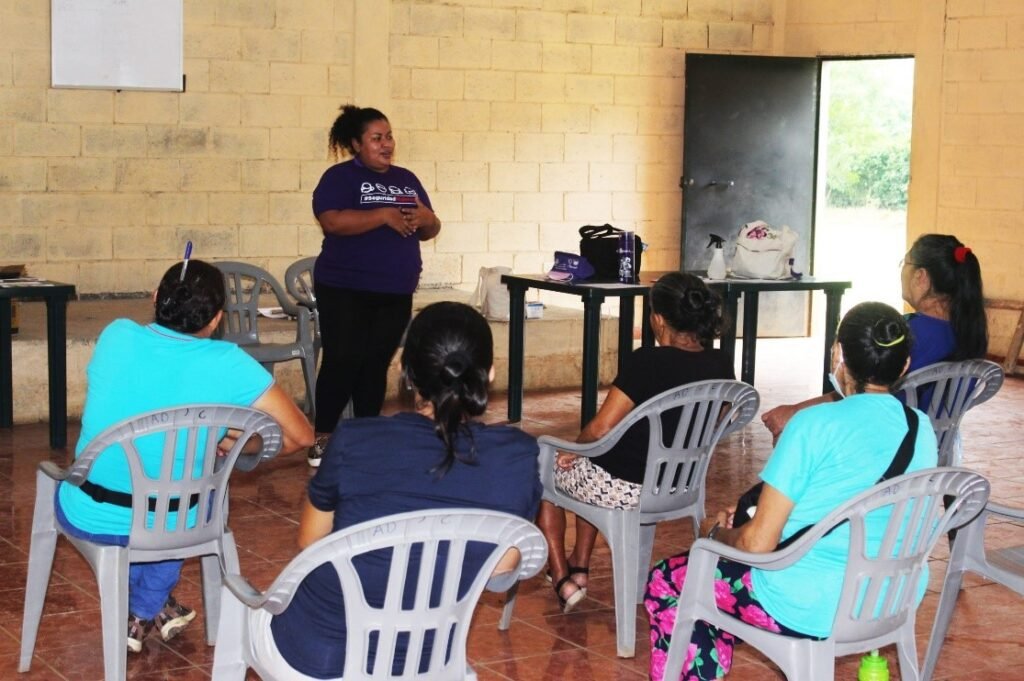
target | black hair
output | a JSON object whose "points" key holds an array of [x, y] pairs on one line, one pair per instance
{"points": [[447, 359], [350, 125], [688, 305], [955, 273], [188, 306], [875, 340]]}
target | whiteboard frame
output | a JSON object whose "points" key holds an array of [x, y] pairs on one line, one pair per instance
{"points": [[117, 44]]}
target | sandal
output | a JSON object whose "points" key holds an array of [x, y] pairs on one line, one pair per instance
{"points": [[574, 599], [573, 570]]}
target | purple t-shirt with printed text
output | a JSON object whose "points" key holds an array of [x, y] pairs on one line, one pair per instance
{"points": [[380, 260]]}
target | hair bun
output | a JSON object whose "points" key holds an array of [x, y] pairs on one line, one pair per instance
{"points": [[454, 367], [696, 298], [886, 333]]}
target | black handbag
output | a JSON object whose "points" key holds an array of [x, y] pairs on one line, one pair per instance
{"points": [[599, 244], [898, 466]]}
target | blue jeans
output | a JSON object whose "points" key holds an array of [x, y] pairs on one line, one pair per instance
{"points": [[149, 584]]}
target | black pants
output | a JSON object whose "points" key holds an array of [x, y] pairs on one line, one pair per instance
{"points": [[360, 331]]}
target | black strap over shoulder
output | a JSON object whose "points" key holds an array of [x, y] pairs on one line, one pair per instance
{"points": [[104, 495], [898, 466]]}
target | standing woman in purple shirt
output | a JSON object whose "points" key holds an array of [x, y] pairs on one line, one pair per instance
{"points": [[374, 215]]}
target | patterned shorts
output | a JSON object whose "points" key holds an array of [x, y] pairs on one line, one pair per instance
{"points": [[592, 484]]}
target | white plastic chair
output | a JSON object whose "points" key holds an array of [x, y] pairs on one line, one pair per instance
{"points": [[953, 388], [157, 532], [298, 280], [448, 619], [673, 484], [1003, 566], [885, 615], [243, 285]]}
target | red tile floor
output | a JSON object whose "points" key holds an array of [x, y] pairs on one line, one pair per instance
{"points": [[985, 640]]}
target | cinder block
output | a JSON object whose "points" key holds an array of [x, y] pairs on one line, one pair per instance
{"points": [[114, 140], [507, 55], [247, 14], [637, 207], [213, 42], [210, 174], [432, 146], [270, 111], [309, 172], [298, 79], [401, 83], [546, 27], [175, 141], [1000, 65], [41, 139], [521, 177], [148, 243], [45, 210], [565, 118], [435, 20], [416, 51], [80, 106], [615, 59], [960, 192], [762, 40], [638, 31], [23, 32], [297, 143], [980, 98], [538, 206], [455, 237], [147, 108], [211, 241], [304, 14], [731, 36], [662, 61], [660, 120], [644, 91], [588, 208], [658, 177], [590, 29], [557, 236], [242, 208], [589, 89], [483, 206], [80, 174], [177, 208], [437, 84], [614, 119], [1015, 32], [1001, 193], [239, 142], [612, 177], [319, 111], [22, 104], [7, 71], [464, 116], [490, 86], [440, 270], [288, 208], [989, 130], [488, 146], [29, 69], [540, 87], [197, 75], [112, 209], [409, 115], [588, 147], [540, 147], [239, 76], [512, 236], [327, 47], [465, 176], [20, 244], [760, 11], [464, 53], [265, 240], [278, 45], [565, 58], [486, 22], [77, 242], [981, 34], [563, 177], [513, 117], [310, 239]]}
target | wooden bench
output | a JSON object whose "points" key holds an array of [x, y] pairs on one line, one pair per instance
{"points": [[1013, 351]]}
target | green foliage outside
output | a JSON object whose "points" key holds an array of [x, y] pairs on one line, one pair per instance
{"points": [[868, 152]]}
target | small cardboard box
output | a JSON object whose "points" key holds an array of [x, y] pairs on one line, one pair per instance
{"points": [[13, 272]]}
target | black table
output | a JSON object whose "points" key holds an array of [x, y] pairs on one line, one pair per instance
{"points": [[592, 295], [56, 296]]}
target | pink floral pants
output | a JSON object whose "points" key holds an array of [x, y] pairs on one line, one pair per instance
{"points": [[710, 652]]}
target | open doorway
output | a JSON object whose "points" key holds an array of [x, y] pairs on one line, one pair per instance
{"points": [[863, 172]]}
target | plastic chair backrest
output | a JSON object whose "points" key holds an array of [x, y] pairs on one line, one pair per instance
{"points": [[709, 410], [298, 279], [243, 284], [447, 614], [880, 591], [949, 389], [191, 475]]}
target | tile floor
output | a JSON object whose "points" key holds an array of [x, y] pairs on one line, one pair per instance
{"points": [[985, 640]]}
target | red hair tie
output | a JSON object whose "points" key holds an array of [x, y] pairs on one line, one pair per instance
{"points": [[960, 253]]}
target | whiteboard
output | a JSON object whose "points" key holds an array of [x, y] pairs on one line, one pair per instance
{"points": [[117, 44]]}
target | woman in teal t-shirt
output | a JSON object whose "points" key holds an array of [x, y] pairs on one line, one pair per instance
{"points": [[828, 454]]}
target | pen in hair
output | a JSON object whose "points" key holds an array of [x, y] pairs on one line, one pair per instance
{"points": [[188, 254]]}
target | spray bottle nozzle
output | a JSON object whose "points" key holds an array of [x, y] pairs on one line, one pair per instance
{"points": [[716, 241]]}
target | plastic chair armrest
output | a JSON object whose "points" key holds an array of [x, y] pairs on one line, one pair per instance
{"points": [[502, 582], [774, 560], [244, 591], [1001, 510], [53, 471]]}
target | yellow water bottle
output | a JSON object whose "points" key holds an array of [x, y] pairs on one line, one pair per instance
{"points": [[873, 667]]}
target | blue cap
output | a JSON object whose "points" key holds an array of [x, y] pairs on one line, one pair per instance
{"points": [[570, 267]]}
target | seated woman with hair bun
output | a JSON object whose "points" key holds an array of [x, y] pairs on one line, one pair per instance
{"points": [[827, 455], [685, 316], [169, 363]]}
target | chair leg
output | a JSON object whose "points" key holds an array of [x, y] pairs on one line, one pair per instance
{"points": [[943, 615], [111, 566], [309, 373], [229, 656], [40, 565], [623, 542], [510, 604], [906, 646], [212, 581], [643, 555]]}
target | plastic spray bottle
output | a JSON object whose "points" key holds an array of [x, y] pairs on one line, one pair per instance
{"points": [[716, 270], [873, 667]]}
